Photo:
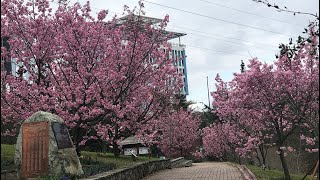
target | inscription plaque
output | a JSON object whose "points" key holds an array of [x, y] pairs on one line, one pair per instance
{"points": [[34, 149], [62, 135]]}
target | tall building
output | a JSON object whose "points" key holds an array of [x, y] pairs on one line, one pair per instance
{"points": [[10, 66], [178, 51], [178, 54], [7, 65]]}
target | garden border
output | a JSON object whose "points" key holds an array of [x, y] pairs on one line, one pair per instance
{"points": [[134, 172]]}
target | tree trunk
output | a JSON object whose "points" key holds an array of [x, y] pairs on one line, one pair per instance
{"points": [[258, 158], [76, 140], [264, 162], [263, 156], [78, 150], [114, 142], [115, 149], [263, 152], [284, 166], [103, 147], [239, 158]]}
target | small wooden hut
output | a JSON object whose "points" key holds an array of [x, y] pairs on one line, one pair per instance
{"points": [[132, 145]]}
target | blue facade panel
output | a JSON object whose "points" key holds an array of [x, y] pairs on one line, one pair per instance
{"points": [[185, 72]]}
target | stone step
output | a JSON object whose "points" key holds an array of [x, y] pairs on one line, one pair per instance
{"points": [[188, 163], [176, 162], [180, 162]]}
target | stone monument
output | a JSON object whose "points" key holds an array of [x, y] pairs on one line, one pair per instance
{"points": [[44, 147]]}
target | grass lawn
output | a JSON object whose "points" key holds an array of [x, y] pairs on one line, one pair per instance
{"points": [[272, 174], [7, 156], [8, 151], [92, 162], [117, 162]]}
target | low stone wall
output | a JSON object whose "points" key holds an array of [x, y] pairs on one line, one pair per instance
{"points": [[9, 175], [135, 172]]}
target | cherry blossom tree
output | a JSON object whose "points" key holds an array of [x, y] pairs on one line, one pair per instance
{"points": [[253, 137], [179, 133], [98, 76], [268, 103], [211, 143]]}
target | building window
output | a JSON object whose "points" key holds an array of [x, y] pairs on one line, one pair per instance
{"points": [[7, 63]]}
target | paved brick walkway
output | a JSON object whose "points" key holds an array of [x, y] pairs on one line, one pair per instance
{"points": [[201, 171]]}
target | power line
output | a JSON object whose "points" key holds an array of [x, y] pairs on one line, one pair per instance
{"points": [[246, 12], [218, 51], [218, 35], [203, 33], [222, 52], [217, 19], [271, 50], [198, 34]]}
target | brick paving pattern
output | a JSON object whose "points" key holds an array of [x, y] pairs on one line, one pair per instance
{"points": [[201, 171]]}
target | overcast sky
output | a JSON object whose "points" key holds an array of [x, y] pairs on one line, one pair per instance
{"points": [[213, 44]]}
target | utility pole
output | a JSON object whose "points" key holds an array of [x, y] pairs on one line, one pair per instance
{"points": [[208, 92], [242, 66]]}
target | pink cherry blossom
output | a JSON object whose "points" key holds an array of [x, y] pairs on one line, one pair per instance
{"points": [[96, 75], [267, 103], [179, 135]]}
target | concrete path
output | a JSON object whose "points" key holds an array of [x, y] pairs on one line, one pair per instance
{"points": [[201, 171]]}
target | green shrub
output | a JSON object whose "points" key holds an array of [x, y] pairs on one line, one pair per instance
{"points": [[91, 167], [116, 162], [7, 164]]}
